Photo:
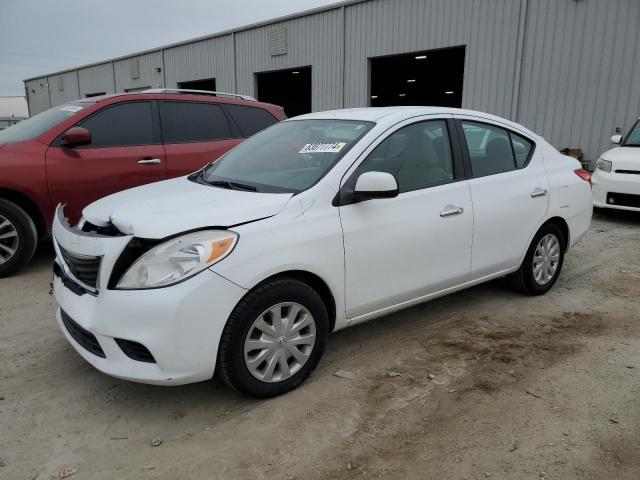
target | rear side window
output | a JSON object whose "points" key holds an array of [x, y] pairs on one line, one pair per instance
{"points": [[184, 122], [495, 150], [521, 148], [250, 119], [121, 125]]}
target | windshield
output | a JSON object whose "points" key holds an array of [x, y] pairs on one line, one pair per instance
{"points": [[633, 137], [32, 127], [287, 157]]}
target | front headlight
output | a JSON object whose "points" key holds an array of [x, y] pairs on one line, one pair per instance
{"points": [[604, 165], [178, 259]]}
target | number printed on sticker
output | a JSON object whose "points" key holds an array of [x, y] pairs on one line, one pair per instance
{"points": [[322, 147]]}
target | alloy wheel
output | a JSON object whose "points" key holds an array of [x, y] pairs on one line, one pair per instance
{"points": [[8, 240], [279, 342], [546, 259]]}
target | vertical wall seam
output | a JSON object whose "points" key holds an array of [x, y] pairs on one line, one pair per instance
{"points": [[517, 74]]}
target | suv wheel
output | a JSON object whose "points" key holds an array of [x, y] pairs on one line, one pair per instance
{"points": [[273, 339], [18, 238], [542, 263]]}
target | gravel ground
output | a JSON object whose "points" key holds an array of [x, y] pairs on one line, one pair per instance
{"points": [[491, 384]]}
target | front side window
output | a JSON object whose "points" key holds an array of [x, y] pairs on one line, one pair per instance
{"points": [[124, 124], [495, 150], [184, 122], [287, 157], [633, 137], [250, 119], [38, 124], [418, 155]]}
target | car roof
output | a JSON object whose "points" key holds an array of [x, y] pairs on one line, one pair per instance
{"points": [[392, 115], [176, 96]]}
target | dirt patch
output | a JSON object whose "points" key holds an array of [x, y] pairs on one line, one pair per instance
{"points": [[470, 363]]}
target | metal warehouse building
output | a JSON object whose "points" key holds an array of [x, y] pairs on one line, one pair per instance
{"points": [[567, 69]]}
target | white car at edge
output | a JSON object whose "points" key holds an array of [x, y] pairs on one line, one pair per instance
{"points": [[317, 223], [616, 179]]}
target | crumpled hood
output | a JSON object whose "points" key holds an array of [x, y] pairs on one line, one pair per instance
{"points": [[623, 158], [169, 207]]}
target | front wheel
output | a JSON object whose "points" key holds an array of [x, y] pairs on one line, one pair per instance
{"points": [[18, 238], [274, 338], [542, 263]]}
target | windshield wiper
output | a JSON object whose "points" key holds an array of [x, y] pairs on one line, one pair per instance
{"points": [[231, 185]]}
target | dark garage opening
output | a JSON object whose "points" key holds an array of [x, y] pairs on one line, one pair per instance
{"points": [[291, 89], [433, 77], [204, 84]]}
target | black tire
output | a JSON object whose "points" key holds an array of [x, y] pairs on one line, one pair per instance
{"points": [[27, 239], [523, 279], [231, 363]]}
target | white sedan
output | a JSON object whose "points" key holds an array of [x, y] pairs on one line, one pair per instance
{"points": [[320, 222], [616, 180]]}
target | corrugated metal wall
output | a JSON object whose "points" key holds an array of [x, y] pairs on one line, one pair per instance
{"points": [[314, 40], [568, 69], [98, 78], [581, 71], [37, 92], [148, 77], [211, 58], [63, 87], [488, 28]]}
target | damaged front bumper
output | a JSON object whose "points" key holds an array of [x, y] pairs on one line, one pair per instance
{"points": [[160, 336]]}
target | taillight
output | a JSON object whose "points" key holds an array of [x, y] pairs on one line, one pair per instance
{"points": [[584, 175]]}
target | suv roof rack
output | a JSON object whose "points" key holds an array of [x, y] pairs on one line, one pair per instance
{"points": [[199, 92]]}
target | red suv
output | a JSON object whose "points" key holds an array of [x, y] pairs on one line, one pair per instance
{"points": [[81, 151]]}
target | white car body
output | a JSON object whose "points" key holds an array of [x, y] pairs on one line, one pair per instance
{"points": [[618, 188], [374, 257]]}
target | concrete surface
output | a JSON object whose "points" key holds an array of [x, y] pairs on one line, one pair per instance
{"points": [[492, 384]]}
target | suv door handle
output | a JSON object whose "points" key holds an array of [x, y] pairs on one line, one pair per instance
{"points": [[449, 211], [539, 192], [149, 161]]}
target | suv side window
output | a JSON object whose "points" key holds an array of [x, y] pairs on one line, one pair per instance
{"points": [[250, 119], [495, 150], [120, 125], [184, 122], [418, 155]]}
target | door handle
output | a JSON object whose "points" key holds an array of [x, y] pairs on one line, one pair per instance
{"points": [[539, 192], [449, 211], [149, 161]]}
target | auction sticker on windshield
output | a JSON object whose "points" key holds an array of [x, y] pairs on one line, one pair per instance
{"points": [[71, 108], [322, 147]]}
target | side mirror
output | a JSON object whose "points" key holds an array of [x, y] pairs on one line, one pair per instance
{"points": [[616, 139], [376, 185], [76, 136]]}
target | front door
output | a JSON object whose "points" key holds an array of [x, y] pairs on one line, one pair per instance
{"points": [[399, 249], [125, 151]]}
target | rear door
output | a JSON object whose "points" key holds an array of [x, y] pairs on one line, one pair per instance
{"points": [[125, 151], [195, 134], [509, 189]]}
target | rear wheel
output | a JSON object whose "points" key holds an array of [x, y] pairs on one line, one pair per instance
{"points": [[18, 238], [542, 263], [273, 339]]}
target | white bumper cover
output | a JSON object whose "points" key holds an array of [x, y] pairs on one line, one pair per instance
{"points": [[604, 182], [180, 325]]}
